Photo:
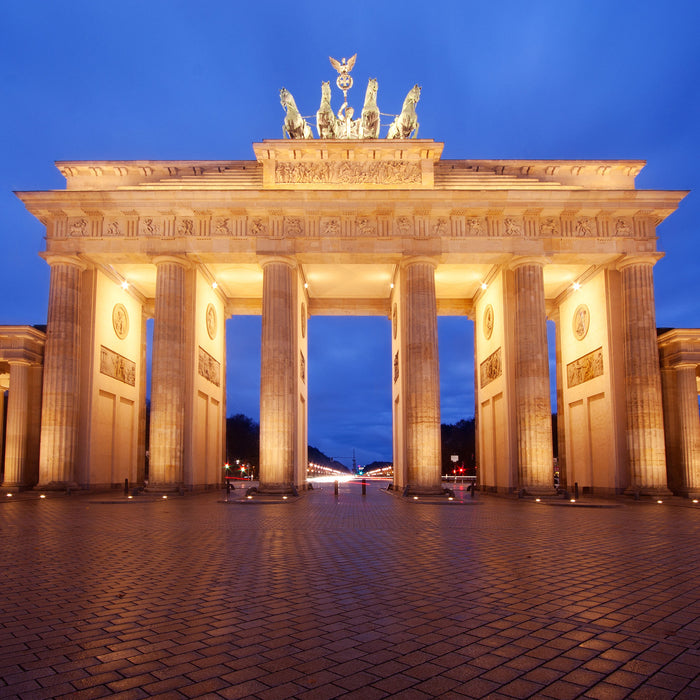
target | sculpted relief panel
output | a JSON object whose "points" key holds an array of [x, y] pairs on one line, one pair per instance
{"points": [[491, 368], [386, 172], [584, 368], [114, 365], [209, 367], [422, 224]]}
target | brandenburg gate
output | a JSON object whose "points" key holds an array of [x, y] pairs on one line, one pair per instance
{"points": [[353, 224]]}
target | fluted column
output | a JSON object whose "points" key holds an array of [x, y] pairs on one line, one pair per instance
{"points": [[277, 377], [423, 460], [533, 406], [168, 377], [688, 429], [17, 426], [645, 427], [61, 392]]}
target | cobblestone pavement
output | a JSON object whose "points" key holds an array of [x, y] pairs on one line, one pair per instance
{"points": [[350, 597]]}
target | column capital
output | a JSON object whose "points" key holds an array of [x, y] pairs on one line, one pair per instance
{"points": [[417, 259], [55, 259], [172, 259], [520, 260], [641, 259], [270, 259]]}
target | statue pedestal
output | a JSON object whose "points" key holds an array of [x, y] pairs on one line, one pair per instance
{"points": [[348, 164]]}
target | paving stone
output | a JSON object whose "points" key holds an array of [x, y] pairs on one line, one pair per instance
{"points": [[341, 599]]}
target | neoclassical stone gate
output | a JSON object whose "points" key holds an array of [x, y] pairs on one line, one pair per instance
{"points": [[353, 227]]}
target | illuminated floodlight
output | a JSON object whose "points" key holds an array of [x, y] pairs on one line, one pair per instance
{"points": [[284, 498], [164, 496], [42, 496], [576, 286], [573, 500], [129, 497], [306, 285], [415, 498], [125, 285], [214, 285], [391, 286], [537, 500], [250, 498], [484, 285], [695, 500], [9, 495], [659, 501], [449, 498]]}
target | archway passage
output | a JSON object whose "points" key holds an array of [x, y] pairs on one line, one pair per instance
{"points": [[365, 228]]}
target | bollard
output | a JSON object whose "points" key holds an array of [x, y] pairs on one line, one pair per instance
{"points": [[472, 488], [576, 490], [335, 487], [126, 487], [228, 489], [364, 487]]}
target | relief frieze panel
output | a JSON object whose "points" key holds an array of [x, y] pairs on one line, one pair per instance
{"points": [[209, 367], [388, 172], [585, 368], [490, 369], [116, 366], [348, 224]]}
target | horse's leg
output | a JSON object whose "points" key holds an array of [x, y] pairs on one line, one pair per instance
{"points": [[415, 133]]}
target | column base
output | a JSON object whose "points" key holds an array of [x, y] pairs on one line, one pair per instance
{"points": [[58, 486], [164, 488], [648, 491], [277, 490], [410, 490], [14, 487]]}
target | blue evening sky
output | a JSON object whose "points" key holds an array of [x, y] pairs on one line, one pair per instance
{"points": [[200, 79]]}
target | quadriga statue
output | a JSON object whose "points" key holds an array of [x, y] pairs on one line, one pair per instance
{"points": [[295, 126], [325, 118], [370, 118], [407, 121]]}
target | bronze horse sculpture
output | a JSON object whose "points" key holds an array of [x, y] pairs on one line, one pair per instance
{"points": [[295, 126], [407, 121]]}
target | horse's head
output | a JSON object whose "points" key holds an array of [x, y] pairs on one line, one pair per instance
{"points": [[326, 91], [372, 88], [415, 93], [284, 97]]}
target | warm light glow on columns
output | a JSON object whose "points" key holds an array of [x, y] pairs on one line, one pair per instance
{"points": [[17, 426], [168, 376], [688, 428], [422, 380], [277, 376], [533, 407], [645, 428], [61, 390]]}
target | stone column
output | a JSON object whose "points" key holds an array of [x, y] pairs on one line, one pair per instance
{"points": [[61, 392], [422, 382], [168, 377], [277, 377], [645, 427], [533, 406], [17, 426], [688, 429]]}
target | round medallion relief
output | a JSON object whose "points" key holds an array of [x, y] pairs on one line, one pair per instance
{"points": [[394, 321], [488, 321], [120, 321], [303, 320], [211, 321], [581, 321]]}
